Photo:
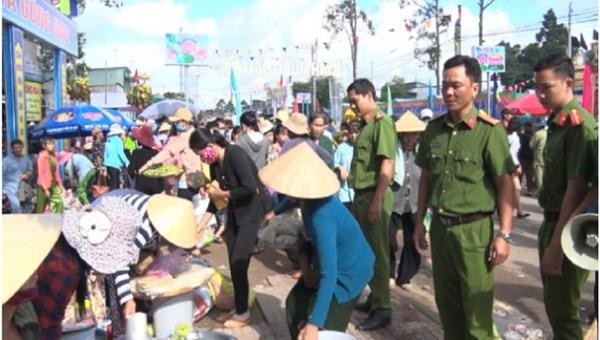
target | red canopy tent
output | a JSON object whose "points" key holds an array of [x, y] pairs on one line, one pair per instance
{"points": [[528, 104]]}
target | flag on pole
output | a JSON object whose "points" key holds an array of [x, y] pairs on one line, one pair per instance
{"points": [[390, 107], [430, 98], [236, 96]]}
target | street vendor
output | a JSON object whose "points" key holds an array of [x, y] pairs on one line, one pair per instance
{"points": [[110, 235], [345, 258]]}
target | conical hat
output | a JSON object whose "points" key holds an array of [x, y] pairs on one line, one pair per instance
{"points": [[26, 240], [409, 122], [174, 219], [300, 173]]}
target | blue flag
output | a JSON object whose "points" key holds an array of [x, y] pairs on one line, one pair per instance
{"points": [[236, 97], [430, 98]]}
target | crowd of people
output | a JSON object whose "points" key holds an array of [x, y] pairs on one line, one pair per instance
{"points": [[355, 186]]}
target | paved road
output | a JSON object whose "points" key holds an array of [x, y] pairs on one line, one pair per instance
{"points": [[517, 282]]}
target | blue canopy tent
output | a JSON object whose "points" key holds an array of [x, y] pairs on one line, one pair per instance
{"points": [[73, 121], [125, 122]]}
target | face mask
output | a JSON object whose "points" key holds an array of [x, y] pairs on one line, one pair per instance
{"points": [[180, 127], [222, 132], [208, 155], [163, 137]]}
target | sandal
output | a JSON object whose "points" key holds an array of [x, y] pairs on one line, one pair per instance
{"points": [[523, 215], [233, 322]]}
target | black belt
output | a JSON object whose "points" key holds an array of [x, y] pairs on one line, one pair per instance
{"points": [[450, 221], [365, 190], [551, 215]]}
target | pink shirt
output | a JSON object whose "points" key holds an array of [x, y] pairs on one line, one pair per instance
{"points": [[177, 152], [45, 178]]}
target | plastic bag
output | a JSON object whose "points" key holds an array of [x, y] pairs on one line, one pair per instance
{"points": [[221, 290], [203, 302]]}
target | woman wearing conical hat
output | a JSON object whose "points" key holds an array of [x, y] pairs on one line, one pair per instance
{"points": [[343, 255]]}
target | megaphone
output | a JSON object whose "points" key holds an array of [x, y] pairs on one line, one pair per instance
{"points": [[579, 241]]}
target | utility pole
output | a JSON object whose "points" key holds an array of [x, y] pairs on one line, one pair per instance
{"points": [[482, 7], [106, 81], [569, 47]]}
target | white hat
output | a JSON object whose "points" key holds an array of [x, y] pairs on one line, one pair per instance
{"points": [[426, 114], [115, 129], [26, 241]]}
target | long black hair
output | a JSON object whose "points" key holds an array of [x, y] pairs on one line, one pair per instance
{"points": [[200, 138], [249, 119]]}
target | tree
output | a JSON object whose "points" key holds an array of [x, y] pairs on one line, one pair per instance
{"points": [[397, 88], [220, 106], [245, 105], [345, 17], [174, 95], [552, 37], [322, 89], [482, 7], [230, 107], [428, 11]]}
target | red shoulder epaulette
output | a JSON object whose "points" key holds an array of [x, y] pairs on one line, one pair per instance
{"points": [[379, 115], [562, 119], [487, 118], [576, 118]]}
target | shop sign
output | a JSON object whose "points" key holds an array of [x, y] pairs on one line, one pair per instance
{"points": [[33, 101], [41, 19]]}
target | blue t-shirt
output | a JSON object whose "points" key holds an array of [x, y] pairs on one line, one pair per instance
{"points": [[343, 157], [345, 258]]}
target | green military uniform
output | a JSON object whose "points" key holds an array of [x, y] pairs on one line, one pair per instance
{"points": [[537, 144], [463, 160], [376, 141], [572, 138]]}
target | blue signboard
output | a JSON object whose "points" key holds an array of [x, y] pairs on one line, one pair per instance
{"points": [[41, 19]]}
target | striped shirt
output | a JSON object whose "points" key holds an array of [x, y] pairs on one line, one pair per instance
{"points": [[146, 234]]}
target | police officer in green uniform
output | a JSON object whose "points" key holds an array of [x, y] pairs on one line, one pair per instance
{"points": [[466, 166], [568, 173], [371, 173]]}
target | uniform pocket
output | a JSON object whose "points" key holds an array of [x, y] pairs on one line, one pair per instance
{"points": [[436, 161], [468, 167]]}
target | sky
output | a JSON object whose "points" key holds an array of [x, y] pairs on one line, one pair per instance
{"points": [[250, 36]]}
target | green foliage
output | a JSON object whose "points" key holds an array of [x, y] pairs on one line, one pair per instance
{"points": [[428, 52], [174, 95], [552, 38], [397, 88]]}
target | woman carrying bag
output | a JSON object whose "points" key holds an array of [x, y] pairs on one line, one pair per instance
{"points": [[238, 182], [343, 256]]}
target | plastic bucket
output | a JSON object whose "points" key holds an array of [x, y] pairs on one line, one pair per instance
{"points": [[210, 335], [169, 313], [333, 335], [137, 327], [82, 334]]}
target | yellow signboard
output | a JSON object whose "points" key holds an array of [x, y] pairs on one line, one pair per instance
{"points": [[20, 93], [33, 101]]}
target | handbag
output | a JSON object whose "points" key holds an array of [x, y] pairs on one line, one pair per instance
{"points": [[101, 187]]}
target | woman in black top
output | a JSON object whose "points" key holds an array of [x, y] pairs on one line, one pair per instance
{"points": [[139, 157], [239, 185]]}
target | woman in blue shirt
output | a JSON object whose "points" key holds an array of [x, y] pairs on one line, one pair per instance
{"points": [[344, 259], [114, 155]]}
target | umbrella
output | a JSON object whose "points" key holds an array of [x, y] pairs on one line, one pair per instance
{"points": [[167, 108], [125, 122], [528, 104], [73, 121]]}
